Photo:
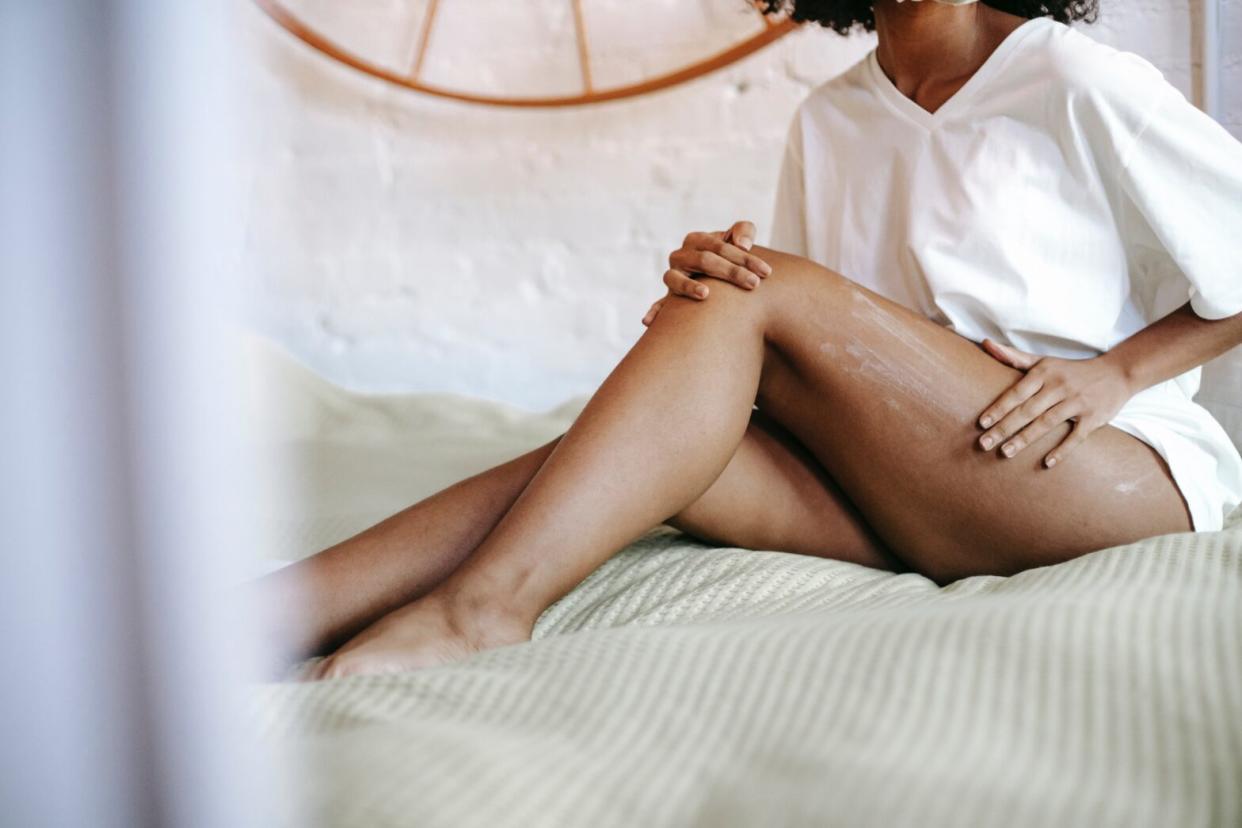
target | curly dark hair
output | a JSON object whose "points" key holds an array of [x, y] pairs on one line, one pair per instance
{"points": [[843, 16]]}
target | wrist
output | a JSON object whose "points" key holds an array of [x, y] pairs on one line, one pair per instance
{"points": [[1127, 371]]}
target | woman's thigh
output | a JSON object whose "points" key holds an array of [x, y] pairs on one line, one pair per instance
{"points": [[774, 495], [887, 401]]}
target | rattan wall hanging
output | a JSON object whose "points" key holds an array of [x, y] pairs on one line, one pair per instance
{"points": [[420, 24]]}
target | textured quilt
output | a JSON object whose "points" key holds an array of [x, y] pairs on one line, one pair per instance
{"points": [[685, 685]]}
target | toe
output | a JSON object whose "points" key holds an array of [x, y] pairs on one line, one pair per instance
{"points": [[312, 671], [344, 666]]}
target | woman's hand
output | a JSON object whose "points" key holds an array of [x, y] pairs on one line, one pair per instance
{"points": [[720, 255], [1088, 392]]}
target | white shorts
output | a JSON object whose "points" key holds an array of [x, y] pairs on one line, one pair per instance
{"points": [[1204, 462]]}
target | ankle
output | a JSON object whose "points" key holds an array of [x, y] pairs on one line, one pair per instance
{"points": [[484, 618]]}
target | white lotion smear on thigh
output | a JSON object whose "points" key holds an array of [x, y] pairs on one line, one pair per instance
{"points": [[875, 366], [901, 373]]}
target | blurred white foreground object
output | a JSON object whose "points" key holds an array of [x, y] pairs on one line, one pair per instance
{"points": [[122, 669]]}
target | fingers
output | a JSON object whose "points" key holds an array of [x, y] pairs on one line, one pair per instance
{"points": [[735, 251], [680, 283], [735, 255], [1018, 419], [1009, 355], [742, 233], [1040, 426], [1018, 393], [653, 312], [707, 254], [1081, 430], [721, 260], [1049, 394]]}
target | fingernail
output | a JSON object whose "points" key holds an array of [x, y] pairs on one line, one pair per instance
{"points": [[752, 281], [765, 268], [985, 422], [1052, 461], [700, 292], [1009, 450], [987, 442]]}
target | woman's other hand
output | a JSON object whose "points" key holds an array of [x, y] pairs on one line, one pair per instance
{"points": [[721, 255], [1089, 392]]}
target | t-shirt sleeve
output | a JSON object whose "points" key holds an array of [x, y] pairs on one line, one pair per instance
{"points": [[788, 228], [1182, 175]]}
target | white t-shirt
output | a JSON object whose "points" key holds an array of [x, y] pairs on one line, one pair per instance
{"points": [[1066, 197]]}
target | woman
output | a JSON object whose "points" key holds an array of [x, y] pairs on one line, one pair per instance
{"points": [[1000, 251]]}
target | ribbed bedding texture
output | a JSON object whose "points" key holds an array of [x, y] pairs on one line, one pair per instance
{"points": [[686, 685]]}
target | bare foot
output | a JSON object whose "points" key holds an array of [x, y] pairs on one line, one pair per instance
{"points": [[425, 633]]}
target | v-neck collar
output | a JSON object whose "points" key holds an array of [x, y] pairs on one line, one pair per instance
{"points": [[906, 106]]}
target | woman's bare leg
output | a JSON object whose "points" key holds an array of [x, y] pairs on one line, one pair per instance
{"points": [[323, 600], [332, 595], [883, 398], [774, 495], [624, 466]]}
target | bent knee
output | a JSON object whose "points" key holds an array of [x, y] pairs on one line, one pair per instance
{"points": [[794, 278], [793, 282], [789, 267]]}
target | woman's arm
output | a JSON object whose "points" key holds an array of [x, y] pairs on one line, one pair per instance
{"points": [[1173, 345], [1091, 391]]}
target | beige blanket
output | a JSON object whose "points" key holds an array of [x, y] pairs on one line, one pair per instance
{"points": [[687, 685]]}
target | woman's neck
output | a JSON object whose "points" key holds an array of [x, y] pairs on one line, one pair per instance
{"points": [[929, 49]]}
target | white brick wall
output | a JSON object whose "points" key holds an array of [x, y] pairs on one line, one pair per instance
{"points": [[404, 243]]}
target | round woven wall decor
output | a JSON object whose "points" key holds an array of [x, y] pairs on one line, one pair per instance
{"points": [[410, 31]]}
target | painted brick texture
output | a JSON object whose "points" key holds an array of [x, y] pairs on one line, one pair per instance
{"points": [[404, 243]]}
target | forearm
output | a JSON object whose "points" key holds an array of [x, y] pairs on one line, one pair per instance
{"points": [[1173, 345]]}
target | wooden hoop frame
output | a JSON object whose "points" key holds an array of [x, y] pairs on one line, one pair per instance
{"points": [[276, 10]]}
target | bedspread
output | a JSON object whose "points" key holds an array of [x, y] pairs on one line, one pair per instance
{"points": [[685, 685]]}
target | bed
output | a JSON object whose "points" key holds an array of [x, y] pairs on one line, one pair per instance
{"points": [[685, 685]]}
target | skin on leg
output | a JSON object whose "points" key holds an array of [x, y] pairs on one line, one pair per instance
{"points": [[883, 398], [775, 495], [900, 438], [331, 596], [800, 510], [623, 467], [341, 590]]}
